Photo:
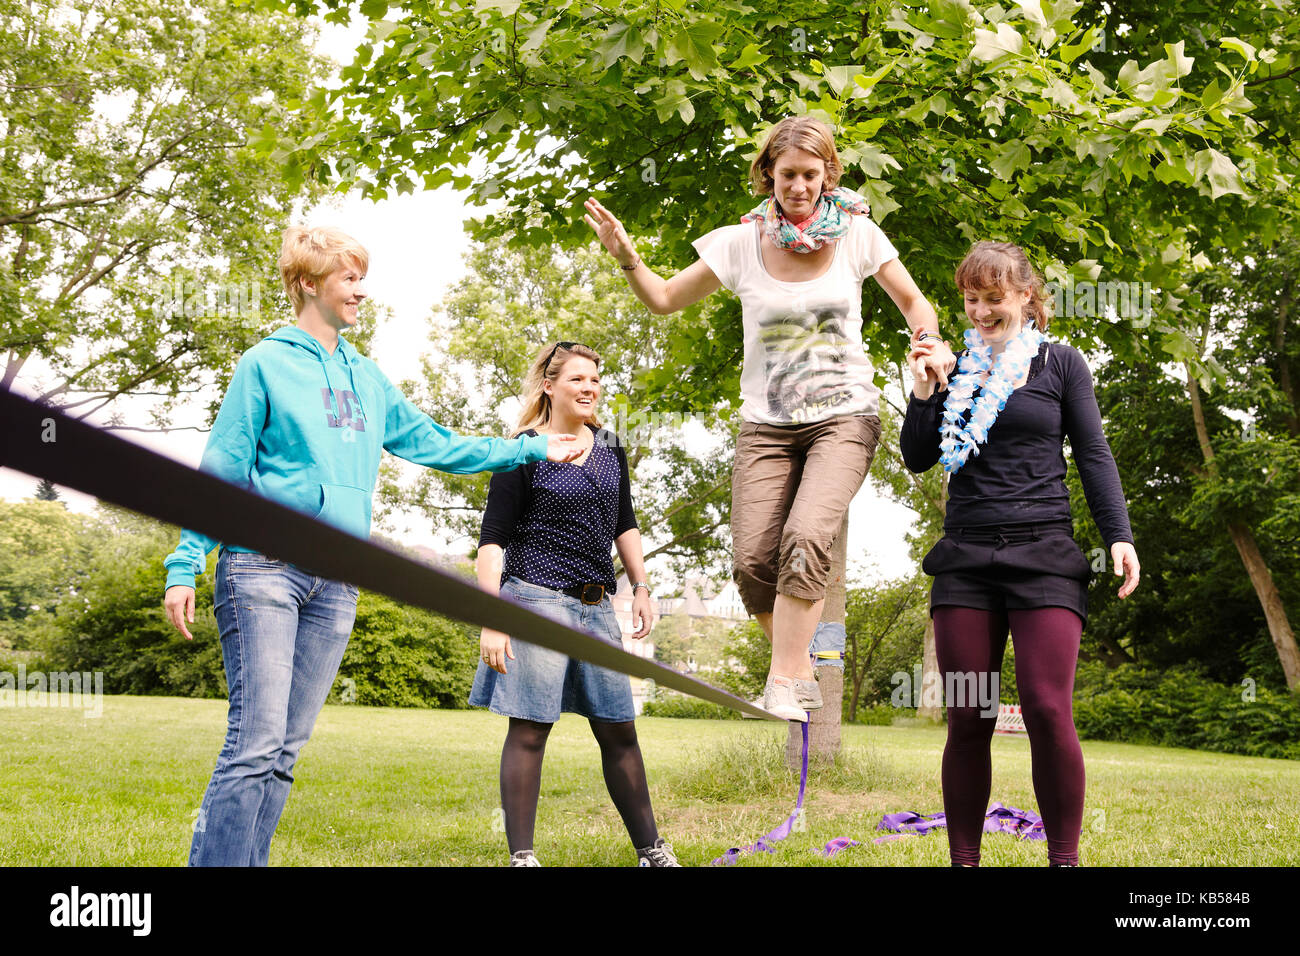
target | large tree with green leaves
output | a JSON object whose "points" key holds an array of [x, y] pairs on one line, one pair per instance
{"points": [[1118, 141], [138, 228]]}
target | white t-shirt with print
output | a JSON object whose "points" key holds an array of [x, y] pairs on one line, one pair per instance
{"points": [[804, 360]]}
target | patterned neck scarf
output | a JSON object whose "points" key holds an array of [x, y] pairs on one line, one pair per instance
{"points": [[829, 221]]}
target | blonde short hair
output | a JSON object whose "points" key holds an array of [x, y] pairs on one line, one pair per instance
{"points": [[313, 253], [796, 132]]}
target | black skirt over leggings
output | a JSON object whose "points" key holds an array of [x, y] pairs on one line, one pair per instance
{"points": [[1009, 568]]}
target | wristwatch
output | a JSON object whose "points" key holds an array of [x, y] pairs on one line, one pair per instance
{"points": [[640, 584]]}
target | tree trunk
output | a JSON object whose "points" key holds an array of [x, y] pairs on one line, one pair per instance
{"points": [[824, 724], [1279, 626], [929, 697]]}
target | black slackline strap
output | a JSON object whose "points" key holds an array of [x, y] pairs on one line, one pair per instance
{"points": [[44, 442]]}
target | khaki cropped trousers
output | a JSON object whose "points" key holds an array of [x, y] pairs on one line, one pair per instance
{"points": [[790, 488]]}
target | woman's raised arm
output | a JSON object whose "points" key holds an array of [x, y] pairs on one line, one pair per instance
{"points": [[660, 296]]}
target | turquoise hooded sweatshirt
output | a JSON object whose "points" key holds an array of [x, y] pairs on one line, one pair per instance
{"points": [[307, 429]]}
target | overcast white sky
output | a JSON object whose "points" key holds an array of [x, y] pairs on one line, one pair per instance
{"points": [[412, 265]]}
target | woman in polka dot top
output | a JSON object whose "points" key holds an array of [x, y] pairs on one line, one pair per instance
{"points": [[545, 542]]}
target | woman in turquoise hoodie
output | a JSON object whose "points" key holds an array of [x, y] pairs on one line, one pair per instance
{"points": [[304, 423]]}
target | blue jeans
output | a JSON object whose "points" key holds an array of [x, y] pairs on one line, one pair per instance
{"points": [[283, 634]]}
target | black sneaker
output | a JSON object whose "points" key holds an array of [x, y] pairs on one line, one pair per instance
{"points": [[660, 854]]}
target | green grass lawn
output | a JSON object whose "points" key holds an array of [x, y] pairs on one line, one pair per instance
{"points": [[419, 787]]}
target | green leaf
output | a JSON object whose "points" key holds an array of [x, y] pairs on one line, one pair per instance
{"points": [[749, 56], [694, 44], [1014, 155], [868, 129], [1219, 171], [991, 46], [952, 13], [1212, 95], [380, 30], [1179, 64], [622, 40], [865, 82], [504, 7], [1069, 52], [876, 193], [1156, 124], [870, 159], [1032, 10], [844, 78], [537, 35], [674, 100], [1098, 79], [374, 9], [1237, 45]]}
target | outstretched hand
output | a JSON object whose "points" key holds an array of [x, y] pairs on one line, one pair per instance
{"points": [[563, 447], [610, 232]]}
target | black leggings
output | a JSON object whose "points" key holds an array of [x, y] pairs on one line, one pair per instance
{"points": [[620, 759], [971, 641]]}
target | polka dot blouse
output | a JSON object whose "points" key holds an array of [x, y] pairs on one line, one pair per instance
{"points": [[557, 521]]}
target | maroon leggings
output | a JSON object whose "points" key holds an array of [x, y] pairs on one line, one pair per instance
{"points": [[971, 641]]}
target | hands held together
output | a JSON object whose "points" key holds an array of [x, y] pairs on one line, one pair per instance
{"points": [[931, 362]]}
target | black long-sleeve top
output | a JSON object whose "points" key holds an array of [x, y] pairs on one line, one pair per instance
{"points": [[1018, 477], [557, 520]]}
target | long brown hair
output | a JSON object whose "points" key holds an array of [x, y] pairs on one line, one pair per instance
{"points": [[1004, 265], [536, 409]]}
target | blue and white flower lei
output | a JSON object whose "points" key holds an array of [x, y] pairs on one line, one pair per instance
{"points": [[959, 437]]}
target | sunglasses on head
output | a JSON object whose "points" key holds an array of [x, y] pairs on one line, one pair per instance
{"points": [[558, 345]]}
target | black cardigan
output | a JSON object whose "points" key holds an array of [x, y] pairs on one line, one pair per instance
{"points": [[1018, 477], [551, 554]]}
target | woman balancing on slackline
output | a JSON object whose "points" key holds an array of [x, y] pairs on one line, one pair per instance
{"points": [[1007, 556], [810, 423]]}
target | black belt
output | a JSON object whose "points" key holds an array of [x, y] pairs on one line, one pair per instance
{"points": [[586, 593]]}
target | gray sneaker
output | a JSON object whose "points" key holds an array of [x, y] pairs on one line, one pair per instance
{"points": [[807, 693], [661, 854], [782, 700], [524, 858]]}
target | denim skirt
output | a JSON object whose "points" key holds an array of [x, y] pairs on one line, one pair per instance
{"points": [[1008, 569], [540, 684]]}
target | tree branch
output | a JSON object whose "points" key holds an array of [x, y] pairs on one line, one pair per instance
{"points": [[96, 200]]}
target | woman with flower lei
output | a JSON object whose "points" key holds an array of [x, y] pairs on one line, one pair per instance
{"points": [[809, 409], [1008, 558]]}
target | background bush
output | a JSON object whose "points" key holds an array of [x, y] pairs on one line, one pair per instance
{"points": [[1180, 707]]}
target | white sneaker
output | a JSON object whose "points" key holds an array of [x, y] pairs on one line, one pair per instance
{"points": [[524, 858], [782, 700], [807, 692]]}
